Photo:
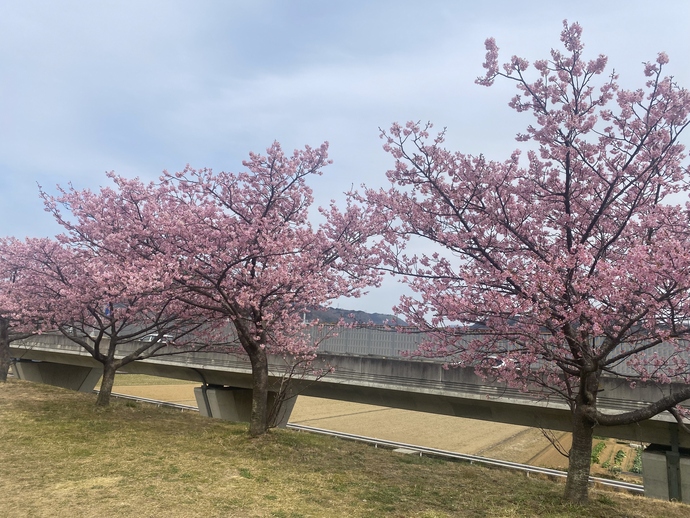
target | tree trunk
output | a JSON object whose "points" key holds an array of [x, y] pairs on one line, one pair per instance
{"points": [[577, 484], [109, 371], [258, 422], [5, 358]]}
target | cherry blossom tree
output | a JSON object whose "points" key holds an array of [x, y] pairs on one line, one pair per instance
{"points": [[235, 247], [11, 328], [99, 297], [574, 259], [245, 249]]}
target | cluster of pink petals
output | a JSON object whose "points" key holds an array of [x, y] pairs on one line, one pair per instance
{"points": [[205, 258], [570, 260]]}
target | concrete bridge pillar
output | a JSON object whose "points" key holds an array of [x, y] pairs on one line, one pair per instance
{"points": [[235, 404], [666, 470], [74, 377]]}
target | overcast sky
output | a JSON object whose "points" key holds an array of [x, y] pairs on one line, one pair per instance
{"points": [[146, 85]]}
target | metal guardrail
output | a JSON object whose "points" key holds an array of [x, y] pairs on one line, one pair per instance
{"points": [[421, 450]]}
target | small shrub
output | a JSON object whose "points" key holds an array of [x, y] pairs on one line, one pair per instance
{"points": [[617, 462], [637, 462], [618, 459]]}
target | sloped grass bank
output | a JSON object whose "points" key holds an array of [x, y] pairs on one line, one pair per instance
{"points": [[62, 457]]}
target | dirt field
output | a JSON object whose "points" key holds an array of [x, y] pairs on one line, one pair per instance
{"points": [[495, 440]]}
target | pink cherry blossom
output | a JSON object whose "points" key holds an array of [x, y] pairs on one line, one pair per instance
{"points": [[573, 259]]}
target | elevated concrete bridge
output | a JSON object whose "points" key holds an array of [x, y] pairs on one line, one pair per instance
{"points": [[412, 384]]}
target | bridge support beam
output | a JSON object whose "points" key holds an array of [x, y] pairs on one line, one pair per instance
{"points": [[666, 472], [74, 377], [235, 404]]}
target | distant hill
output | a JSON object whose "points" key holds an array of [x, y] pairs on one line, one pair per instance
{"points": [[333, 315]]}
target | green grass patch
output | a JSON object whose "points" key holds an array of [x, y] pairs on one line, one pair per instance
{"points": [[62, 457]]}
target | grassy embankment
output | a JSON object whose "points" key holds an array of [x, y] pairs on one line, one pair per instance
{"points": [[61, 457]]}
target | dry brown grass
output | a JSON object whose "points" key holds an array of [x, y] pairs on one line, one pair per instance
{"points": [[61, 457], [126, 380]]}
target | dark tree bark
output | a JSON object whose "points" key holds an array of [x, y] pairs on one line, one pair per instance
{"points": [[106, 389], [579, 461], [5, 358], [576, 487], [258, 423], [7, 337]]}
